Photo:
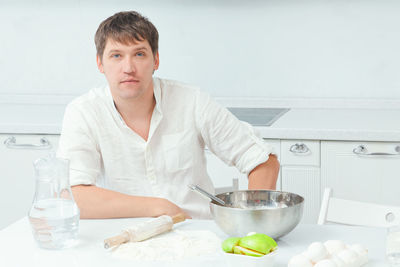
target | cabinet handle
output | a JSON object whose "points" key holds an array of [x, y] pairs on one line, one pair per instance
{"points": [[299, 148], [361, 150], [11, 142]]}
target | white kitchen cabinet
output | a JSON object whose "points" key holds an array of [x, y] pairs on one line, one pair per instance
{"points": [[371, 174], [304, 181], [300, 167], [17, 172], [222, 174]]}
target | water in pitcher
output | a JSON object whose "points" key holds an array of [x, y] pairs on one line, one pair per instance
{"points": [[55, 223]]}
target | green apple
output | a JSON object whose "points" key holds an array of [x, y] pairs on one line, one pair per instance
{"points": [[246, 251], [230, 243], [260, 243]]}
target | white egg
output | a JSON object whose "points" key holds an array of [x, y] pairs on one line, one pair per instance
{"points": [[299, 261], [304, 253], [316, 251], [334, 246], [362, 252], [360, 249], [326, 263], [339, 262], [350, 257]]}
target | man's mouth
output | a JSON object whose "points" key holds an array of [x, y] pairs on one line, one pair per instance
{"points": [[130, 81]]}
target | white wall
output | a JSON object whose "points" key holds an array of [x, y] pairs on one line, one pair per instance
{"points": [[262, 48]]}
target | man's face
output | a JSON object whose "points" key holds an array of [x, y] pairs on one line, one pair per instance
{"points": [[128, 68]]}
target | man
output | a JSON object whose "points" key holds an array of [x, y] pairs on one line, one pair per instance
{"points": [[136, 145]]}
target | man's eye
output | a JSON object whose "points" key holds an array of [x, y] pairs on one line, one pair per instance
{"points": [[140, 54], [116, 56]]}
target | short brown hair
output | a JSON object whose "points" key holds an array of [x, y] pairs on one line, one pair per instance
{"points": [[126, 27]]}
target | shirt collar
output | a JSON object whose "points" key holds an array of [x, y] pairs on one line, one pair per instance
{"points": [[110, 101], [157, 93]]}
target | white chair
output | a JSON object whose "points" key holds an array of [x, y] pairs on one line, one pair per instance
{"points": [[234, 187], [356, 213]]}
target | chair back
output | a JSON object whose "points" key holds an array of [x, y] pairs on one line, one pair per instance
{"points": [[357, 213]]}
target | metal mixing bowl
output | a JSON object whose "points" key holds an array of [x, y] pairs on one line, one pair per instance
{"points": [[273, 213]]}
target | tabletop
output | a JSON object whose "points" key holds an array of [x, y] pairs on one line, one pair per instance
{"points": [[17, 247]]}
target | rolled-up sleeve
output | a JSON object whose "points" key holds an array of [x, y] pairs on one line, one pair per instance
{"points": [[77, 144], [231, 140]]}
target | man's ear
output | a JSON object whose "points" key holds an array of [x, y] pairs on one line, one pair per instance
{"points": [[99, 64], [156, 61]]}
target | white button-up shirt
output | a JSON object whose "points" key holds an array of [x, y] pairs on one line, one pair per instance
{"points": [[104, 151]]}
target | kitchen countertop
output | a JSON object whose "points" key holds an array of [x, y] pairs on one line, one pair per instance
{"points": [[337, 122], [19, 249]]}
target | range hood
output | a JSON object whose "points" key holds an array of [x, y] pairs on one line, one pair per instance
{"points": [[258, 116]]}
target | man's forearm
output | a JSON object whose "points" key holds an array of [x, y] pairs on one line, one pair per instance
{"points": [[264, 176], [99, 203]]}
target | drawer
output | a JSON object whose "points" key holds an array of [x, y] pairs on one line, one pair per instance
{"points": [[300, 152]]}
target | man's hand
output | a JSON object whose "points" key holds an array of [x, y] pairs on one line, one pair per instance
{"points": [[264, 176], [168, 208], [99, 203]]}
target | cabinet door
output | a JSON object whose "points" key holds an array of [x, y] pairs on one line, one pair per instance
{"points": [[222, 175], [301, 174], [17, 173], [353, 174], [304, 181]]}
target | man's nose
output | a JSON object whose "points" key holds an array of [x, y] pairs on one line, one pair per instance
{"points": [[129, 65]]}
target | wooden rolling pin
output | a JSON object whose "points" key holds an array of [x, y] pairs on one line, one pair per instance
{"points": [[144, 230]]}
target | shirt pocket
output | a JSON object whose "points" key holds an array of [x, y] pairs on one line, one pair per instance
{"points": [[178, 151]]}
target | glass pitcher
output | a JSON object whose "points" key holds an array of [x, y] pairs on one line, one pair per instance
{"points": [[54, 215]]}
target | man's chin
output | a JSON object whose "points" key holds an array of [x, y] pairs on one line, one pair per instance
{"points": [[130, 94]]}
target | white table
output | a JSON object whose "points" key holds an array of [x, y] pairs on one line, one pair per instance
{"points": [[17, 247]]}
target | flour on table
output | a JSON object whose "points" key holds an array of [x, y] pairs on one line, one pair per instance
{"points": [[174, 245]]}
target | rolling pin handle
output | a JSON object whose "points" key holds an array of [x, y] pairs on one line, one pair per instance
{"points": [[180, 217], [116, 240]]}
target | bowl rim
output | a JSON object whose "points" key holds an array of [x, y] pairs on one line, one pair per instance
{"points": [[219, 205]]}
